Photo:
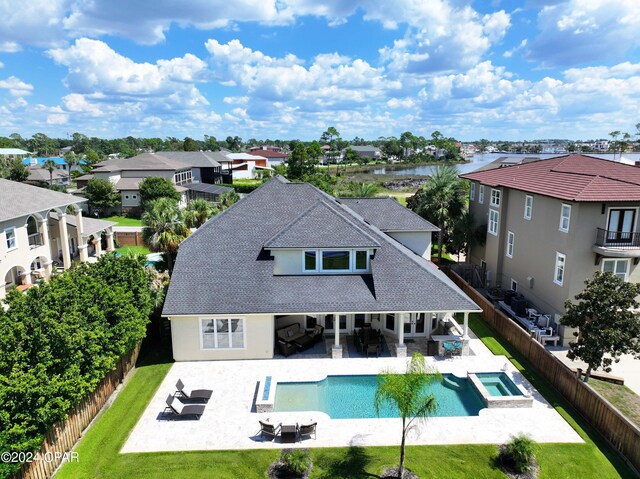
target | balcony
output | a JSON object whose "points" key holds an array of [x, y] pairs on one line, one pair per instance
{"points": [[617, 244], [35, 240]]}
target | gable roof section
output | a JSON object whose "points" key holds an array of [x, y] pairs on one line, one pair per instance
{"points": [[19, 199], [321, 226], [222, 268], [198, 159], [387, 214], [145, 161], [268, 153], [570, 177]]}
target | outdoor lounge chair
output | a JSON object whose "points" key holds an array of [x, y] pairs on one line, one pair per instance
{"points": [[178, 409], [307, 430], [195, 394], [269, 430]]}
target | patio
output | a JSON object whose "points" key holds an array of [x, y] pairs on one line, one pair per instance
{"points": [[229, 420]]}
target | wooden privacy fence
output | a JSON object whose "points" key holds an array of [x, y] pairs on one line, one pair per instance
{"points": [[63, 435], [129, 238], [617, 429]]}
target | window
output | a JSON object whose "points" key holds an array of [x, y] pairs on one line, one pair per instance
{"points": [[329, 322], [561, 260], [618, 267], [361, 261], [310, 322], [495, 197], [510, 240], [359, 320], [126, 197], [565, 217], [222, 333], [310, 263], [514, 285], [335, 261], [10, 234], [493, 222], [481, 194], [390, 322], [528, 207], [135, 197], [472, 192]]}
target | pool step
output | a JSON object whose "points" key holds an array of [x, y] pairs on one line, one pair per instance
{"points": [[451, 383]]}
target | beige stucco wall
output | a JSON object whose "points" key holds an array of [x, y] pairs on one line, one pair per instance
{"points": [[417, 241], [131, 201], [185, 334], [23, 255]]}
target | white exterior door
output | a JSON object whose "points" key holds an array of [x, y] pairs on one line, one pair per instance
{"points": [[417, 326]]}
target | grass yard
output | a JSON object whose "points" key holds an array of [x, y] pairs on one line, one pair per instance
{"points": [[133, 250], [623, 398], [124, 221], [99, 450]]}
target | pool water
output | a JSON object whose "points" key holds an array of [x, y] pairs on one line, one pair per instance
{"points": [[351, 397], [499, 384]]}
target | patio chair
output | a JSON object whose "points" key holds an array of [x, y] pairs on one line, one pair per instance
{"points": [[195, 394], [317, 333], [307, 430], [178, 409], [269, 430]]}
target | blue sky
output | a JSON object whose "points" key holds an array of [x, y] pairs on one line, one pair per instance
{"points": [[497, 69]]}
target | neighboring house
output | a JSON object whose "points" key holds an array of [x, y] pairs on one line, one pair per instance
{"points": [[274, 156], [13, 153], [38, 176], [186, 169], [37, 231], [245, 165], [552, 223], [290, 254], [364, 151]]}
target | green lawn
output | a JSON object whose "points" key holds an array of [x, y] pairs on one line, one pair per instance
{"points": [[99, 457], [133, 250], [623, 398], [124, 220]]}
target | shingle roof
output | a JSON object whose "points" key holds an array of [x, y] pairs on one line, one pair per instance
{"points": [[19, 199], [199, 159], [223, 268], [387, 214], [129, 184], [145, 161], [321, 226], [570, 177], [207, 188]]}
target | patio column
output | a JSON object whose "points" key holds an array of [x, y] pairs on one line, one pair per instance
{"points": [[110, 244], [401, 348], [83, 249], [64, 240], [336, 349], [43, 229], [465, 335], [98, 246], [47, 269]]}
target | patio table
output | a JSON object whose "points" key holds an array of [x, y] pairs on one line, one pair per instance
{"points": [[288, 433]]}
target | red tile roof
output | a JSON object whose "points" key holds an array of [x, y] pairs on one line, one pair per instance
{"points": [[571, 177], [268, 153]]}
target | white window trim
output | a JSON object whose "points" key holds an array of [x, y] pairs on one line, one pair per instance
{"points": [[615, 261], [304, 270], [481, 194], [494, 233], [514, 283], [564, 268], [227, 317], [472, 192], [497, 196], [562, 207], [511, 239], [527, 199], [352, 261], [15, 238]]}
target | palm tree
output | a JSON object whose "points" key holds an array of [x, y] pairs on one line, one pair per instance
{"points": [[198, 212], [440, 200], [407, 392], [362, 190], [71, 159], [228, 199], [50, 166], [164, 228], [614, 135]]}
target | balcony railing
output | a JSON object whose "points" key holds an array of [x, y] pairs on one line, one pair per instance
{"points": [[617, 239], [35, 240]]}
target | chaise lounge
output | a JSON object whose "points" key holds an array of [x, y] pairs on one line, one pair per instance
{"points": [[269, 430], [177, 409], [194, 395]]}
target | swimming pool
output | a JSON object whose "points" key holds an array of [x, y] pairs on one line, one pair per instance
{"points": [[499, 384], [351, 397]]}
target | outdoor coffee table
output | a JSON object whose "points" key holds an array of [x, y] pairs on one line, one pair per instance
{"points": [[304, 342], [288, 433]]}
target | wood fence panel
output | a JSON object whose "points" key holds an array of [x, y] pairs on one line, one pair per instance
{"points": [[613, 425], [63, 435]]}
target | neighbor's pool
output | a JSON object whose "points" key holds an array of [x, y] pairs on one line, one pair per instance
{"points": [[499, 384], [351, 397]]}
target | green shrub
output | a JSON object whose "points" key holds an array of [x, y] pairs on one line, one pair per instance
{"points": [[517, 454], [297, 461]]}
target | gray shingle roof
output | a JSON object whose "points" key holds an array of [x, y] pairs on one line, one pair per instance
{"points": [[129, 184], [19, 199], [387, 214], [222, 268], [199, 159], [321, 226], [207, 188]]}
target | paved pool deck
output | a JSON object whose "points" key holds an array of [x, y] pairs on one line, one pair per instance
{"points": [[230, 420]]}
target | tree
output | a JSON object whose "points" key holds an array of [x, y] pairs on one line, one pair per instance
{"points": [[50, 166], [228, 199], [234, 143], [16, 170], [210, 143], [441, 201], [350, 156], [198, 212], [361, 190], [314, 151], [154, 187], [299, 164], [101, 195], [483, 144], [407, 392], [607, 325], [90, 159], [71, 159], [164, 228], [189, 144], [614, 143], [329, 136], [465, 234]]}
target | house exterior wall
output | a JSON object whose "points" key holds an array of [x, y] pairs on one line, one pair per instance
{"points": [[147, 173], [114, 177], [287, 261], [22, 255], [130, 198], [417, 241], [186, 339]]}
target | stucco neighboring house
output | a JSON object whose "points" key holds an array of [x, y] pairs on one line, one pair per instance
{"points": [[245, 165], [186, 169], [40, 176], [364, 151], [289, 254], [40, 228], [552, 223], [274, 156]]}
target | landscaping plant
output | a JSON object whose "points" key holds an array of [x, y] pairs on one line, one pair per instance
{"points": [[517, 455]]}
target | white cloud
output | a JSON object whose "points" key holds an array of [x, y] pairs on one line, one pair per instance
{"points": [[509, 53], [16, 86], [57, 119], [36, 22]]}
